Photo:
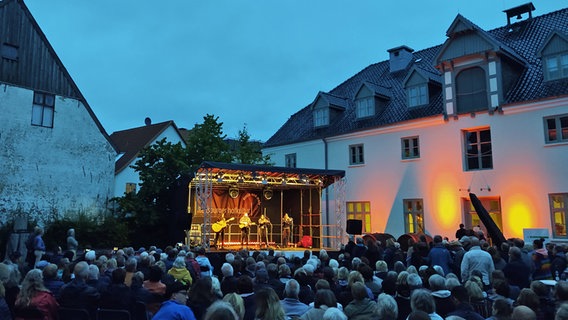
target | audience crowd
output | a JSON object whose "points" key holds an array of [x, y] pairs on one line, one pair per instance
{"points": [[465, 278]]}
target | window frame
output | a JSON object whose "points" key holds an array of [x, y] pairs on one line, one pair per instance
{"points": [[9, 51], [406, 154], [364, 214], [479, 146], [417, 224], [421, 98], [290, 160], [563, 211], [368, 107], [356, 154], [40, 105], [465, 101], [560, 133], [321, 117], [559, 59]]}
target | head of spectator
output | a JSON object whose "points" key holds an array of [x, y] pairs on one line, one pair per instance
{"points": [[272, 270], [342, 274], [131, 265], [322, 284], [562, 312], [501, 287], [387, 307], [261, 276], [334, 314], [93, 272], [333, 264], [237, 302], [227, 270], [230, 258], [216, 287], [90, 256], [474, 290], [81, 271], [402, 287], [460, 294], [421, 315], [414, 281], [177, 291], [437, 282], [389, 283], [203, 291], [399, 267], [268, 304], [32, 284], [451, 283], [501, 309], [50, 272], [381, 266], [155, 274], [523, 313], [325, 297], [284, 271], [359, 291], [422, 300], [528, 298], [541, 289], [118, 276], [245, 285], [292, 289], [221, 310]]}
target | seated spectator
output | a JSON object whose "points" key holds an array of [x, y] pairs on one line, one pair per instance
{"points": [[78, 294], [118, 294], [387, 309], [463, 308], [325, 299], [334, 314], [442, 296], [523, 313], [528, 298], [237, 302], [50, 279], [501, 310], [306, 293], [180, 272], [229, 282], [273, 280], [221, 310], [130, 267], [291, 303], [34, 294], [154, 283], [205, 267], [201, 296], [267, 305], [361, 307], [284, 273], [175, 307], [245, 288]]}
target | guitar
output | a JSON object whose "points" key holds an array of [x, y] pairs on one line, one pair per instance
{"points": [[246, 225], [217, 226]]}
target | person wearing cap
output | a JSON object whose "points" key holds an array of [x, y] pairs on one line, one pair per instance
{"points": [[175, 307]]}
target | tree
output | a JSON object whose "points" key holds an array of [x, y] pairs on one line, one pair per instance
{"points": [[206, 142], [249, 152]]}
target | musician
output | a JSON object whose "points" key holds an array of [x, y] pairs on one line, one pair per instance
{"points": [[221, 233], [286, 225], [263, 225], [244, 224]]}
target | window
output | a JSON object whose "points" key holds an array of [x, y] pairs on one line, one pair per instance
{"points": [[559, 211], [321, 117], [365, 107], [130, 188], [491, 204], [478, 154], [471, 90], [418, 95], [410, 148], [9, 52], [360, 211], [413, 215], [356, 154], [43, 109], [556, 129], [290, 160], [556, 66]]}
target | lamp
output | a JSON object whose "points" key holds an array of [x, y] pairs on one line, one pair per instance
{"points": [[264, 179], [267, 193], [233, 192], [241, 178], [219, 177], [284, 180]]}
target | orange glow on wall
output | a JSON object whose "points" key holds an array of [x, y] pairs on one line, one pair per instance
{"points": [[518, 216], [447, 209]]}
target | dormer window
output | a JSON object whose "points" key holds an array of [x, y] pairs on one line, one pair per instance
{"points": [[365, 107], [321, 117], [418, 95], [556, 66], [471, 90]]}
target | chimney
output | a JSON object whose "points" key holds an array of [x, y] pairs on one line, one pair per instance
{"points": [[399, 58], [518, 12], [147, 121]]}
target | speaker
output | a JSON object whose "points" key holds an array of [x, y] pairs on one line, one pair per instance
{"points": [[354, 226]]}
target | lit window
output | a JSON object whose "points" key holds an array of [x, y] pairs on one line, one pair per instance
{"points": [[365, 107], [417, 95], [478, 154], [360, 211], [290, 160], [556, 129], [410, 148], [556, 66], [321, 117], [471, 90], [559, 212], [43, 110], [413, 215], [356, 154], [130, 188]]}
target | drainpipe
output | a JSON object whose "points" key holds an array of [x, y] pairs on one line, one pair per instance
{"points": [[326, 189]]}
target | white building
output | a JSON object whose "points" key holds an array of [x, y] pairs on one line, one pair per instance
{"points": [[55, 157], [486, 112]]}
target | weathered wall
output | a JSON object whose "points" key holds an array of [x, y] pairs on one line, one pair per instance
{"points": [[62, 170]]}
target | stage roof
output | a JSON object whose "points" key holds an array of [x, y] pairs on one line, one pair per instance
{"points": [[262, 175]]}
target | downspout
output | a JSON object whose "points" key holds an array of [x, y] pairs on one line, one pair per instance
{"points": [[325, 150]]}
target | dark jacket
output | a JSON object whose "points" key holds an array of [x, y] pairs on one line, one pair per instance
{"points": [[79, 295], [466, 311]]}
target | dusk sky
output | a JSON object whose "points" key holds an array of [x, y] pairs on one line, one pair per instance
{"points": [[248, 62]]}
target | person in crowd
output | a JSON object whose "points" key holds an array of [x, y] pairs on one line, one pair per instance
{"points": [[237, 302], [361, 307], [463, 307], [175, 307], [154, 283], [39, 246], [387, 309], [273, 280], [360, 249], [461, 231], [544, 295], [541, 261], [422, 300], [221, 310], [558, 264], [118, 295], [229, 282], [201, 296], [268, 305], [291, 303], [523, 313], [476, 259], [528, 298], [50, 280], [131, 266], [440, 256], [562, 312], [245, 288], [325, 299], [516, 271], [205, 266], [34, 294], [72, 243], [334, 314], [501, 310], [180, 272], [442, 296], [77, 294]]}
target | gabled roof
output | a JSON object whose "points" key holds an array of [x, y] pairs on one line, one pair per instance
{"points": [[519, 41], [378, 90], [331, 100], [427, 75], [131, 141], [31, 41]]}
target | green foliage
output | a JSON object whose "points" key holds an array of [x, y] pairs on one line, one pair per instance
{"points": [[249, 152], [206, 142]]}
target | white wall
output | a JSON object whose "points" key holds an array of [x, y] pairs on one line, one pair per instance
{"points": [[128, 175], [63, 170]]}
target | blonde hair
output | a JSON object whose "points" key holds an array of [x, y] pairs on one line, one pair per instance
{"points": [[237, 302], [268, 305], [33, 283]]}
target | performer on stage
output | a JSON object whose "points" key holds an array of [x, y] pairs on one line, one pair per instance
{"points": [[286, 223], [244, 224], [263, 225], [219, 228]]}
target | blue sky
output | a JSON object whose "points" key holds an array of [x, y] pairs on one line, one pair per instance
{"points": [[248, 62]]}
